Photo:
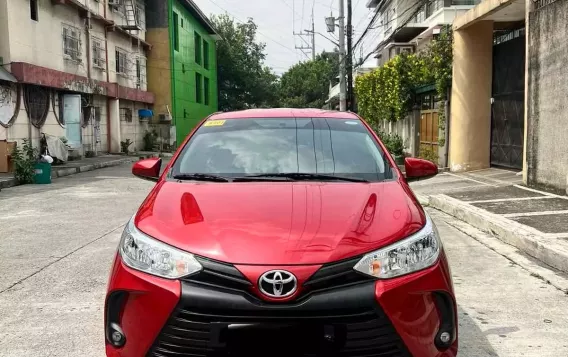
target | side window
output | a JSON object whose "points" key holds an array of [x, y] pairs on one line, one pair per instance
{"points": [[176, 31], [205, 54], [197, 48]]}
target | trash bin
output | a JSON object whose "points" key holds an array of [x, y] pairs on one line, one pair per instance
{"points": [[42, 173]]}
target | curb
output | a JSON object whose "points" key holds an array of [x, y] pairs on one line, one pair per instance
{"points": [[56, 173], [526, 239]]}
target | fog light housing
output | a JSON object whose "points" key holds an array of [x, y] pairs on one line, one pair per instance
{"points": [[447, 332], [114, 306]]}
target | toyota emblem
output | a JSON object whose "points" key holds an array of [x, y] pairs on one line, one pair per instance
{"points": [[278, 283]]}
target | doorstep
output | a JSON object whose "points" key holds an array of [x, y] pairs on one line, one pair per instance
{"points": [[534, 222], [75, 167]]}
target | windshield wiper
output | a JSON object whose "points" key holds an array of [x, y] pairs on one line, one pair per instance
{"points": [[302, 176], [201, 177]]}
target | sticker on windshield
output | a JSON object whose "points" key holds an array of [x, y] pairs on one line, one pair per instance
{"points": [[214, 123], [351, 122]]}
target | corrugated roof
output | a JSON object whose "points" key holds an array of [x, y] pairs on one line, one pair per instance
{"points": [[7, 76]]}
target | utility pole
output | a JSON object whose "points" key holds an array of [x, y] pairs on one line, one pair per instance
{"points": [[342, 94], [313, 37], [313, 40], [349, 56]]}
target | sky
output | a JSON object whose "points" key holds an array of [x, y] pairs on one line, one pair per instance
{"points": [[277, 20]]}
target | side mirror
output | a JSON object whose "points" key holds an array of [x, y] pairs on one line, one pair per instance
{"points": [[148, 169], [419, 169]]}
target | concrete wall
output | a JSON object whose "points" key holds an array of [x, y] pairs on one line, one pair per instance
{"points": [[135, 129], [470, 120], [407, 129], [547, 151]]}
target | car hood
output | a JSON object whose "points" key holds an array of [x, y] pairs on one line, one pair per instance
{"points": [[279, 223]]}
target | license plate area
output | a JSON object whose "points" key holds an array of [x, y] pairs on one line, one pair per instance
{"points": [[278, 339]]}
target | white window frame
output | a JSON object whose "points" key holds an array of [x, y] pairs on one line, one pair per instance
{"points": [[71, 38], [121, 68], [99, 53]]}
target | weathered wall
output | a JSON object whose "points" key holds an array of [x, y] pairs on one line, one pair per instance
{"points": [[407, 129], [547, 151]]}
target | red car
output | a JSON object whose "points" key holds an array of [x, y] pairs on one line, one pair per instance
{"points": [[281, 232]]}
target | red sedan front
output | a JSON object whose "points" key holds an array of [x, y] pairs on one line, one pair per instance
{"points": [[281, 233]]}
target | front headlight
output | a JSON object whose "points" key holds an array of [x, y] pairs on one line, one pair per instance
{"points": [[140, 252], [419, 251]]}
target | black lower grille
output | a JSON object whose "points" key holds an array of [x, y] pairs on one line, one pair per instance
{"points": [[346, 322]]}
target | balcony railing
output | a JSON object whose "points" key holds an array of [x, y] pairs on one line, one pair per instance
{"points": [[431, 7]]}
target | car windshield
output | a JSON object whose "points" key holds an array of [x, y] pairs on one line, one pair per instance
{"points": [[238, 148]]}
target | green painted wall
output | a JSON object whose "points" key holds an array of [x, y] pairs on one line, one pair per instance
{"points": [[187, 112]]}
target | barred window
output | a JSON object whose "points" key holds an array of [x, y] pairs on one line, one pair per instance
{"points": [[140, 71], [99, 53], [121, 59], [72, 43], [141, 16], [126, 115]]}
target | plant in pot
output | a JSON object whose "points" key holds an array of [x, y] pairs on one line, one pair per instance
{"points": [[397, 149]]}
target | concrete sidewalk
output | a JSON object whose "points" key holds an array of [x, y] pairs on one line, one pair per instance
{"points": [[495, 202], [83, 165]]}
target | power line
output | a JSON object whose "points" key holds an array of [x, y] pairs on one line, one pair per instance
{"points": [[241, 21]]}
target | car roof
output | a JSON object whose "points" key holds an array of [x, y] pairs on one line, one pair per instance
{"points": [[284, 113]]}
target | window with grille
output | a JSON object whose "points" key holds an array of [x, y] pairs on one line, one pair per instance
{"points": [[126, 115], [140, 71], [141, 17], [197, 48], [121, 61], [99, 53], [72, 43]]}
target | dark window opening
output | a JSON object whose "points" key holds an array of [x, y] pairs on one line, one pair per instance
{"points": [[198, 86], [176, 32], [205, 54], [206, 91], [197, 48], [34, 10]]}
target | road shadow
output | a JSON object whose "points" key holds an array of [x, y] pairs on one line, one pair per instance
{"points": [[472, 340]]}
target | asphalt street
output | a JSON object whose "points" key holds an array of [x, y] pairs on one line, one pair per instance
{"points": [[57, 243]]}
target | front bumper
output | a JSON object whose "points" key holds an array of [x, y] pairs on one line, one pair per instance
{"points": [[397, 317]]}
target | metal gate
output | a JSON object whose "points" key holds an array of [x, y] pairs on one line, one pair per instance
{"points": [[507, 121]]}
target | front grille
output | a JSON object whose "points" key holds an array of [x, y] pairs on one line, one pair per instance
{"points": [[361, 329], [336, 275], [219, 275], [330, 276]]}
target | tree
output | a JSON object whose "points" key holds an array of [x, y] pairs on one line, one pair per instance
{"points": [[306, 84], [244, 81]]}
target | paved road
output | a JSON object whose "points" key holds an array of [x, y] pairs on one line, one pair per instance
{"points": [[57, 243]]}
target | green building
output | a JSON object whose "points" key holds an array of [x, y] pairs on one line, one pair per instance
{"points": [[182, 64]]}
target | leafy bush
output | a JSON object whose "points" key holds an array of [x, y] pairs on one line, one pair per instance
{"points": [[25, 159], [393, 142], [429, 154]]}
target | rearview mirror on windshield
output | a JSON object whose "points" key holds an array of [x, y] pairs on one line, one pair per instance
{"points": [[148, 169], [419, 169]]}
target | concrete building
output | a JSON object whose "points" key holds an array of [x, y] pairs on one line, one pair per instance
{"points": [[183, 68], [507, 103], [81, 72], [408, 25]]}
